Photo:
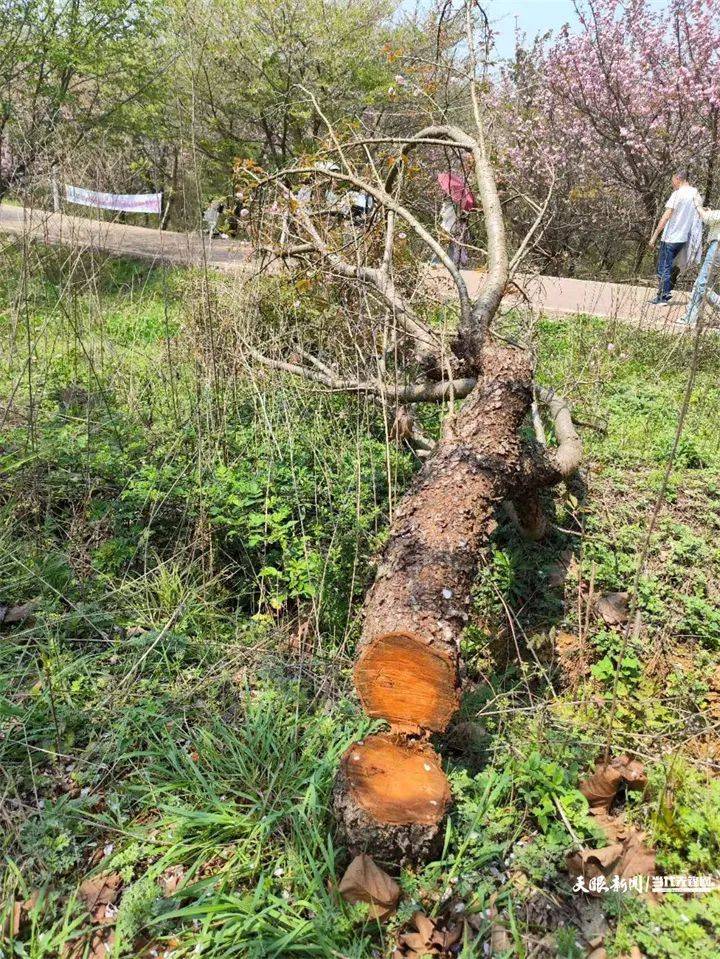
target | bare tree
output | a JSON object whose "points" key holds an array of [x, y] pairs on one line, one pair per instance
{"points": [[391, 795]]}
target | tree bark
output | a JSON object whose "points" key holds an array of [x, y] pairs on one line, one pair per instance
{"points": [[407, 669]]}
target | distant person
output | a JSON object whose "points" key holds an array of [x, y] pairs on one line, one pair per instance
{"points": [[679, 226], [211, 216], [458, 202], [710, 269]]}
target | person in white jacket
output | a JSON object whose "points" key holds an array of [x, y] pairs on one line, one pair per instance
{"points": [[677, 225], [710, 269]]}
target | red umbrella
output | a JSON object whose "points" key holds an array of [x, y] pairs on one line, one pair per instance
{"points": [[456, 187]]}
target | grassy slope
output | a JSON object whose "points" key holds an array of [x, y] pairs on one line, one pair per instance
{"points": [[199, 546]]}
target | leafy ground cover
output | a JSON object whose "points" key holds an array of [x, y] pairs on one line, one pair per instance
{"points": [[195, 546]]}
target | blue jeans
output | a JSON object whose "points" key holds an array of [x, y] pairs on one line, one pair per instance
{"points": [[701, 284], [668, 252]]}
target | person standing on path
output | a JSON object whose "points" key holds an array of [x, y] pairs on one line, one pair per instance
{"points": [[459, 200], [675, 230], [711, 265]]}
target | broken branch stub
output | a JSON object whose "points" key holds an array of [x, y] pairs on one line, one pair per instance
{"points": [[391, 795]]}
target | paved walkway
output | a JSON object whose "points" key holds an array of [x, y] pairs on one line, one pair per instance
{"points": [[556, 296]]}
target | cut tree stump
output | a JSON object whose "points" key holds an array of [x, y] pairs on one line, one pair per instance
{"points": [[392, 796], [387, 803], [406, 681]]}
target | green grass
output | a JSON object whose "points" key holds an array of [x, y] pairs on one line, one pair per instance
{"points": [[199, 542]]}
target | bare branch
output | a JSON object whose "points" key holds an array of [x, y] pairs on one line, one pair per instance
{"points": [[520, 252], [317, 363], [425, 344], [390, 203], [423, 392], [316, 376], [567, 456]]}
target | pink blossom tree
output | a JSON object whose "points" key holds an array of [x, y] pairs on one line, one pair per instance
{"points": [[609, 108]]}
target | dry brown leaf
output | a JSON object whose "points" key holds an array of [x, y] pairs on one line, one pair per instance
{"points": [[626, 855], [415, 944], [613, 608], [365, 882], [601, 788], [100, 891], [171, 879], [428, 938], [18, 614], [591, 863], [638, 859], [615, 827], [500, 940], [424, 925], [452, 935], [622, 859]]}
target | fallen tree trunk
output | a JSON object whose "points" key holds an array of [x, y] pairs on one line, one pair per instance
{"points": [[407, 669], [391, 795]]}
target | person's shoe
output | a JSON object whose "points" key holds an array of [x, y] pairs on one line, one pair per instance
{"points": [[660, 301]]}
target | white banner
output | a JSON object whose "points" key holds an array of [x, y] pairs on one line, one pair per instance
{"points": [[126, 202]]}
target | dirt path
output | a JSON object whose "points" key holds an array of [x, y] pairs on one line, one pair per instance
{"points": [[134, 241], [556, 296]]}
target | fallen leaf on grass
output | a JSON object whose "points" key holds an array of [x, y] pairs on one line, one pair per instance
{"points": [[622, 859], [99, 892], [601, 788], [171, 879], [626, 855], [613, 608], [17, 614], [428, 937], [365, 882]]}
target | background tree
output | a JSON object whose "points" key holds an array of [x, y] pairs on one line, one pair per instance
{"points": [[248, 68], [612, 107], [77, 78]]}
